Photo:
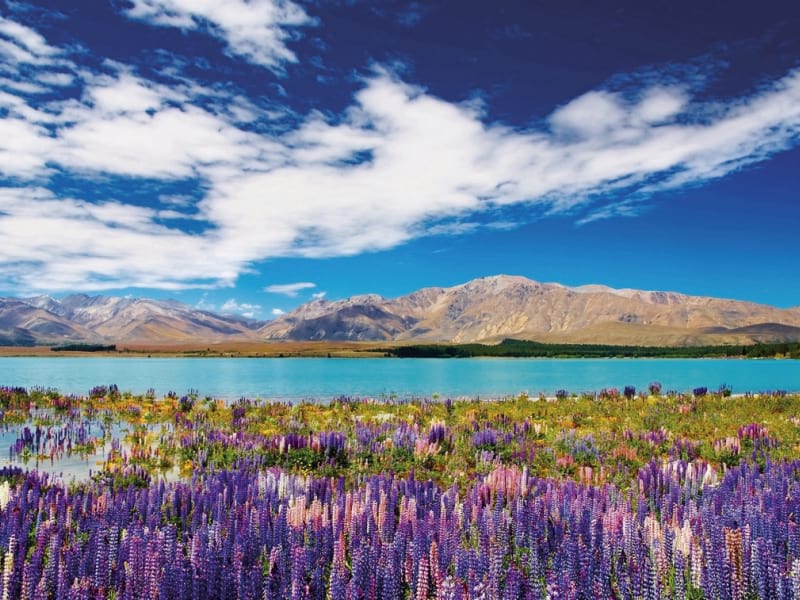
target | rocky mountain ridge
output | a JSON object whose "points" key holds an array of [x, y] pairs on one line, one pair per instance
{"points": [[493, 308], [110, 319], [487, 310]]}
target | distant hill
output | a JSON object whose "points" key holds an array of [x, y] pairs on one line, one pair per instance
{"points": [[98, 319], [24, 323], [484, 310], [493, 308]]}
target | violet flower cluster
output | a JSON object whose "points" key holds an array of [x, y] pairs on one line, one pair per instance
{"points": [[683, 531]]}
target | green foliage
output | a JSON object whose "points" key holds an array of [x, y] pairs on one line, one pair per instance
{"points": [[303, 459], [84, 348], [529, 349]]}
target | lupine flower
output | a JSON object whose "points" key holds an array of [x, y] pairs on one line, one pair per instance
{"points": [[248, 529]]}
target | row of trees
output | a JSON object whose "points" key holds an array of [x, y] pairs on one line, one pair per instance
{"points": [[524, 348]]}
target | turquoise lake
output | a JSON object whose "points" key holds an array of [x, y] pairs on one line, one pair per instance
{"points": [[326, 378]]}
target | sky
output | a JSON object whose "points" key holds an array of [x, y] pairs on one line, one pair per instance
{"points": [[247, 156]]}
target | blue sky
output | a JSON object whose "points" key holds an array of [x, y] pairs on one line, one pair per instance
{"points": [[248, 156]]}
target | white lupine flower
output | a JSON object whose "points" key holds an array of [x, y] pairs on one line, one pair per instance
{"points": [[5, 494]]}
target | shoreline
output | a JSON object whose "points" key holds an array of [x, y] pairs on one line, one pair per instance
{"points": [[407, 349], [366, 353], [210, 350]]}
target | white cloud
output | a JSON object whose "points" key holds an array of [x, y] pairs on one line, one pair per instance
{"points": [[397, 164], [169, 144], [52, 243], [625, 208], [125, 94], [277, 312], [204, 304], [129, 126], [319, 295], [590, 115], [432, 162], [24, 147], [289, 289], [454, 228], [23, 87], [660, 104], [23, 44], [232, 307], [55, 78], [256, 30]]}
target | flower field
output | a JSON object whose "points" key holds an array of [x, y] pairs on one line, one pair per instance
{"points": [[632, 494]]}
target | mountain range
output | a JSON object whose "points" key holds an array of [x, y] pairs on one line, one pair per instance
{"points": [[108, 319], [487, 309]]}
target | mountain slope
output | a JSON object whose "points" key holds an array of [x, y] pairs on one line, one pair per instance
{"points": [[494, 308], [81, 318], [487, 310], [142, 319], [23, 324]]}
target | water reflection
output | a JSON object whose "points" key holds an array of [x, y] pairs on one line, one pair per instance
{"points": [[76, 448]]}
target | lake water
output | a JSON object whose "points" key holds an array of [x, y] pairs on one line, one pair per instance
{"points": [[65, 460], [326, 378], [54, 459]]}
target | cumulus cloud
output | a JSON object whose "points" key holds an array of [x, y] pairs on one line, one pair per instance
{"points": [[289, 289], [256, 30], [247, 310], [590, 115], [396, 164], [660, 104], [277, 312]]}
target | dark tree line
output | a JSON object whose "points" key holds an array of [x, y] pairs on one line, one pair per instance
{"points": [[523, 348]]}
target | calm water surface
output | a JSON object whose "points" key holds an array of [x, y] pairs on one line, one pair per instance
{"points": [[324, 379], [60, 461]]}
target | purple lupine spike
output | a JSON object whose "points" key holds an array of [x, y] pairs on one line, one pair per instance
{"points": [[243, 531]]}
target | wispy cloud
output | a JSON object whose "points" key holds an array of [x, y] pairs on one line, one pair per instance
{"points": [[411, 15], [256, 30], [625, 208], [396, 164], [22, 44], [204, 304], [232, 307], [289, 289]]}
